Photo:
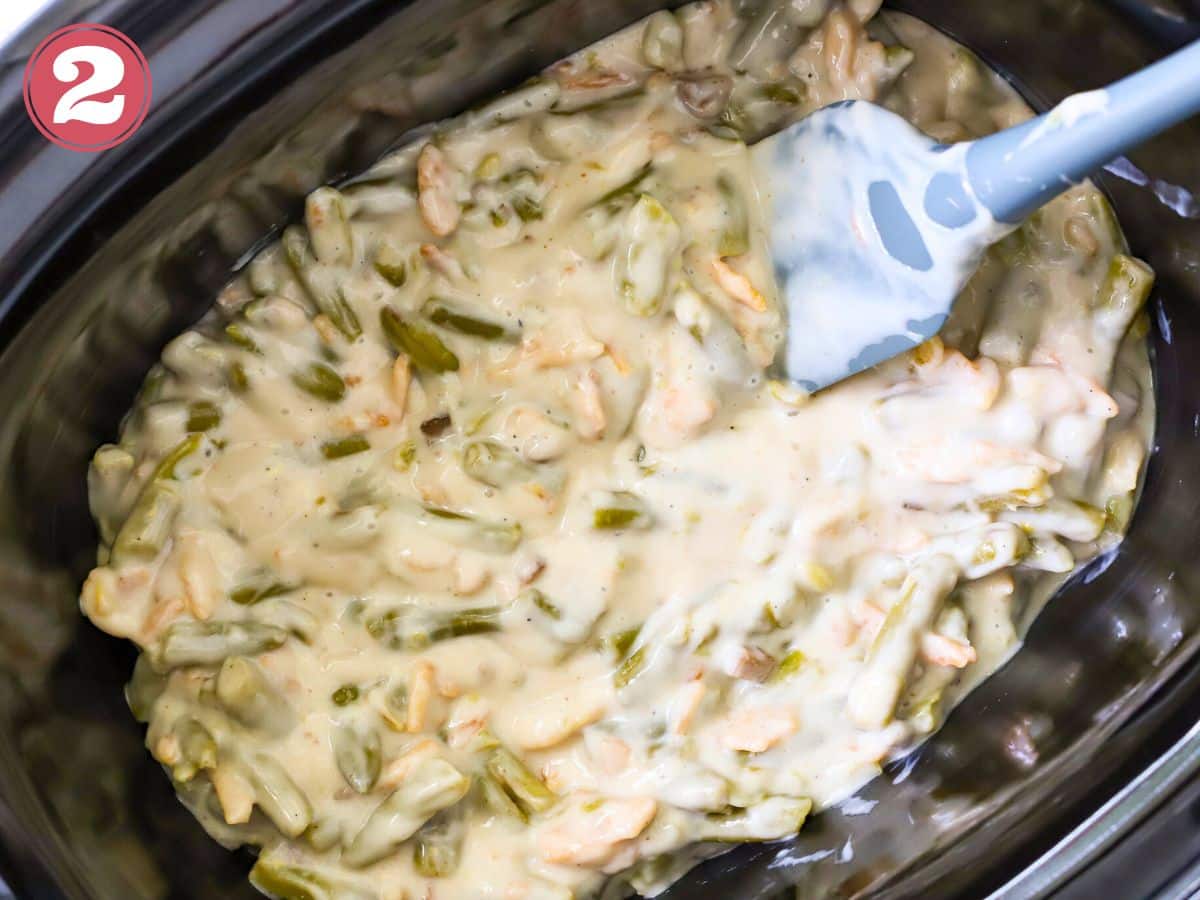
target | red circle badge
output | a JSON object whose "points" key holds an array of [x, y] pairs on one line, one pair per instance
{"points": [[87, 87]]}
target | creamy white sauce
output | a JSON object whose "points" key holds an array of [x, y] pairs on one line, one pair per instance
{"points": [[473, 554]]}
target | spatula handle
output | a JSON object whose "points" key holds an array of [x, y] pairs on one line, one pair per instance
{"points": [[1018, 170]]}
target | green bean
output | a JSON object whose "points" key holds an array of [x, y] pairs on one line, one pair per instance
{"points": [[529, 792], [197, 749], [543, 603], [1118, 510], [792, 663], [345, 695], [236, 378], [494, 464], [489, 537], [278, 796], [328, 300], [391, 266], [441, 313], [324, 834], [923, 714], [773, 818], [628, 188], [623, 510], [1126, 286], [896, 58], [404, 455], [432, 786], [289, 882], [185, 448], [421, 345], [246, 693], [321, 382], [237, 335], [496, 799], [630, 669], [735, 238], [263, 275], [209, 643], [782, 93], [438, 846], [329, 226], [144, 688], [653, 236], [622, 642], [347, 446], [261, 588], [149, 524], [357, 754], [203, 416], [290, 617], [412, 627], [526, 208]]}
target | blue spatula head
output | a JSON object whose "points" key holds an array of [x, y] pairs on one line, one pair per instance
{"points": [[874, 231]]}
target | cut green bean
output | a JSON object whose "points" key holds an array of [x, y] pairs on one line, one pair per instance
{"points": [[1126, 286], [652, 237], [203, 416], [432, 786], [494, 464], [541, 602], [357, 753], [328, 299], [347, 446], [320, 381], [411, 627], [621, 510], [622, 642], [438, 846], [628, 188], [630, 668], [441, 313], [526, 208], [284, 882], [246, 693], [149, 524], [278, 796], [236, 378], [770, 820], [262, 588], [210, 643], [197, 749], [792, 663], [735, 237], [329, 227], [489, 537], [144, 688], [529, 792], [495, 799], [237, 336], [177, 454], [345, 695], [418, 343], [392, 266]]}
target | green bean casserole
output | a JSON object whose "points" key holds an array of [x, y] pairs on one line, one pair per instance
{"points": [[473, 553]]}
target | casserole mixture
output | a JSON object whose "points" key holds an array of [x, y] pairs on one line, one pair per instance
{"points": [[473, 553]]}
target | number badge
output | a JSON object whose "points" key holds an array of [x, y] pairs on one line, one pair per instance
{"points": [[87, 87]]}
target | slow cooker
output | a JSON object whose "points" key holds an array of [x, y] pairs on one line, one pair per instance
{"points": [[1073, 772]]}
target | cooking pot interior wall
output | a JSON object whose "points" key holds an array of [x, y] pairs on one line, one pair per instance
{"points": [[79, 795]]}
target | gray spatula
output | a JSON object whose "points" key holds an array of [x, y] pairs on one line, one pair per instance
{"points": [[876, 228]]}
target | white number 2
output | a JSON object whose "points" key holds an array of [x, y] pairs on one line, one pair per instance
{"points": [[108, 71]]}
